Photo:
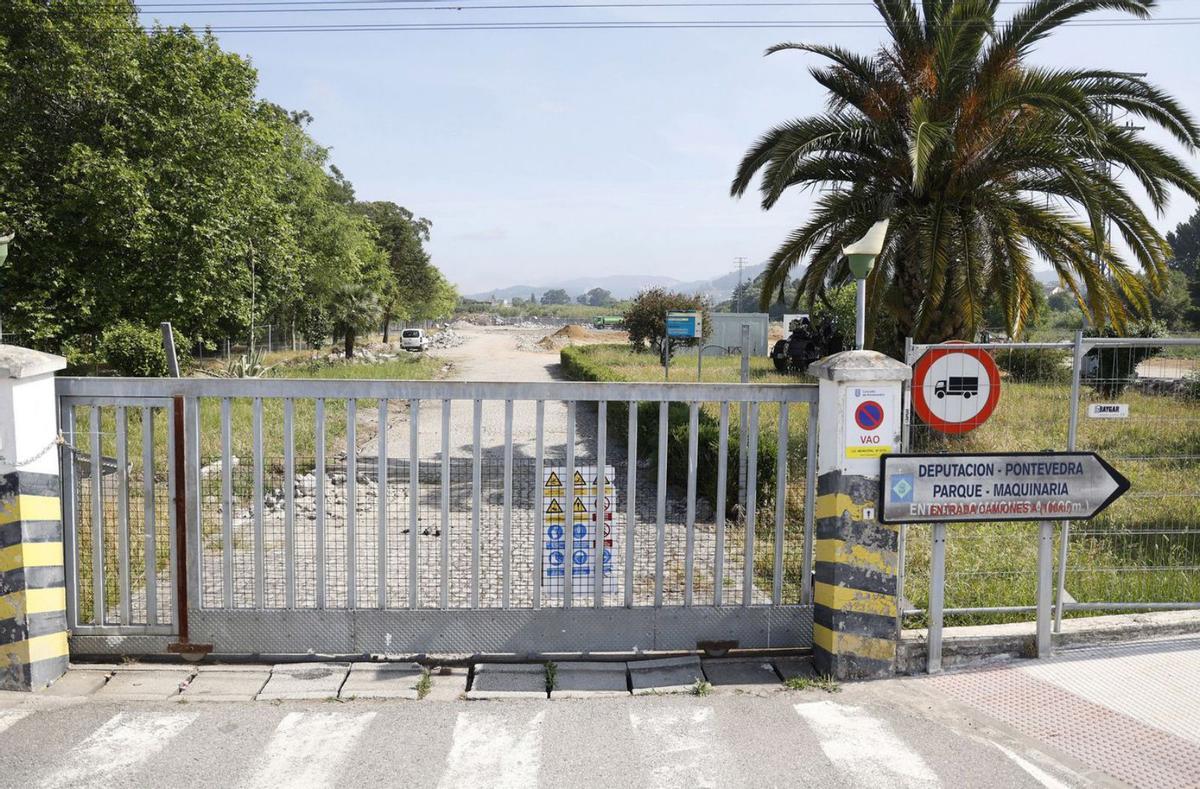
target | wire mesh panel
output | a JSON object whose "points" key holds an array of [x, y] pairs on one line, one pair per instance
{"points": [[1139, 408]]}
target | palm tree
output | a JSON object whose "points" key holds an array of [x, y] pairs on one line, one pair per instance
{"points": [[981, 161], [355, 308]]}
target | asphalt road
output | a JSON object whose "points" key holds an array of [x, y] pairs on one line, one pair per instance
{"points": [[868, 735]]}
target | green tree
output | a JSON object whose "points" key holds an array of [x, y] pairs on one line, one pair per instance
{"points": [[1172, 303], [355, 310], [556, 296], [1185, 258], [646, 318], [981, 161], [414, 280], [598, 297]]}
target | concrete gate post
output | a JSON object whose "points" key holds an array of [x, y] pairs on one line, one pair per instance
{"points": [[33, 599], [855, 628]]}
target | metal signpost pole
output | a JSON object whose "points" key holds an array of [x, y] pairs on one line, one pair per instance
{"points": [[1045, 586], [937, 598], [1072, 436], [860, 314]]}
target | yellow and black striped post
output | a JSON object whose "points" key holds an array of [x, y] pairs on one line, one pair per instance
{"points": [[33, 598], [855, 627]]}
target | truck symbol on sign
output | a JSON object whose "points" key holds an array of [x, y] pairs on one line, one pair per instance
{"points": [[963, 387]]}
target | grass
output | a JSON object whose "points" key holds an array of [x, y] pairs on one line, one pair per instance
{"points": [[1145, 548], [424, 684], [701, 687], [825, 683], [551, 676]]}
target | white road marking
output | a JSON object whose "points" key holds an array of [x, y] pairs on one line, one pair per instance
{"points": [[10, 716], [485, 753], [678, 745], [864, 748], [1037, 773], [308, 749], [121, 744]]}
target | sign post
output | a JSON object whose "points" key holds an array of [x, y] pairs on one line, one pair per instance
{"points": [[681, 325], [1043, 487]]}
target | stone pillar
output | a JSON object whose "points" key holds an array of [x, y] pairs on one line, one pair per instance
{"points": [[855, 628], [33, 600]]}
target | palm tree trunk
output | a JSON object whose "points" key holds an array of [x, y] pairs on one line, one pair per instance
{"points": [[387, 320], [350, 344]]}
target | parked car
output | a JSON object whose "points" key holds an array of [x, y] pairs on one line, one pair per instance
{"points": [[414, 340]]}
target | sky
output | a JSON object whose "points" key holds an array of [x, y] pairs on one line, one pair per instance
{"points": [[541, 155]]}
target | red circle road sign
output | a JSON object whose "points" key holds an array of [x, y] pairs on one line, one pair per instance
{"points": [[868, 415], [955, 390]]}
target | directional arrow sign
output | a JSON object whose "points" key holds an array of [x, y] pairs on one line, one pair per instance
{"points": [[997, 486]]}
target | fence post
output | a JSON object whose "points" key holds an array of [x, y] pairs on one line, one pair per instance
{"points": [[855, 627], [33, 599], [1064, 542]]}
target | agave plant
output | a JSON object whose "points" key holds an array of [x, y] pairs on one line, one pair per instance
{"points": [[982, 162], [248, 365]]}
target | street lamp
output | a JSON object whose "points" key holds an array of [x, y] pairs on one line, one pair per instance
{"points": [[861, 256], [4, 242]]}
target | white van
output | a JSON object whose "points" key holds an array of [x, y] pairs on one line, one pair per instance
{"points": [[414, 340]]}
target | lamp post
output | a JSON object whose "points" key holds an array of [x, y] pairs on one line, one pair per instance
{"points": [[4, 242], [861, 256]]}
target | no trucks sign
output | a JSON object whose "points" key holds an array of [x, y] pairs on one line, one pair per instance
{"points": [[996, 487]]}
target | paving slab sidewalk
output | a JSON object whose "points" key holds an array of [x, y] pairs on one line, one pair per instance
{"points": [[78, 682], [755, 675], [304, 681], [666, 675], [144, 683], [589, 679], [226, 683], [383, 681], [508, 681]]}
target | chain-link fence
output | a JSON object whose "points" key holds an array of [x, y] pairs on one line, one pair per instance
{"points": [[1134, 401]]}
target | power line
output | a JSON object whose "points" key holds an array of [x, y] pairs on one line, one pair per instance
{"points": [[729, 24]]}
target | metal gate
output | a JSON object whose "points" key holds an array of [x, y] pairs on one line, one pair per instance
{"points": [[350, 517]]}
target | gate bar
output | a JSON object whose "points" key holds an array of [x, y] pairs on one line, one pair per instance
{"points": [[97, 520], [476, 488], [661, 511], [539, 525], [351, 502], [414, 495], [226, 505], [149, 516], [319, 473], [722, 483], [690, 538], [751, 506], [781, 476], [630, 501], [810, 498], [444, 598], [506, 524], [260, 581], [122, 424], [381, 548], [569, 509], [70, 510], [601, 511], [289, 491]]}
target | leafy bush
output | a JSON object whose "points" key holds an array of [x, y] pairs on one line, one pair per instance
{"points": [[1110, 370], [1034, 365], [133, 350], [646, 318]]}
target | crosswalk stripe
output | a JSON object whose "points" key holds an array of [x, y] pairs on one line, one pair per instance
{"points": [[1037, 773], [486, 753], [10, 716], [863, 748], [308, 749], [679, 746], [123, 742]]}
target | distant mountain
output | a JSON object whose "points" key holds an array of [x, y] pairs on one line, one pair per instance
{"points": [[625, 286]]}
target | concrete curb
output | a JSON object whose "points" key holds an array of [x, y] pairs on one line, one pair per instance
{"points": [[979, 645]]}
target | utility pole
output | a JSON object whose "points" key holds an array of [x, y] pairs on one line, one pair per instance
{"points": [[740, 262]]}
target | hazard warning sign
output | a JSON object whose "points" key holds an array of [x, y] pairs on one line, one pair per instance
{"points": [[570, 521]]}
